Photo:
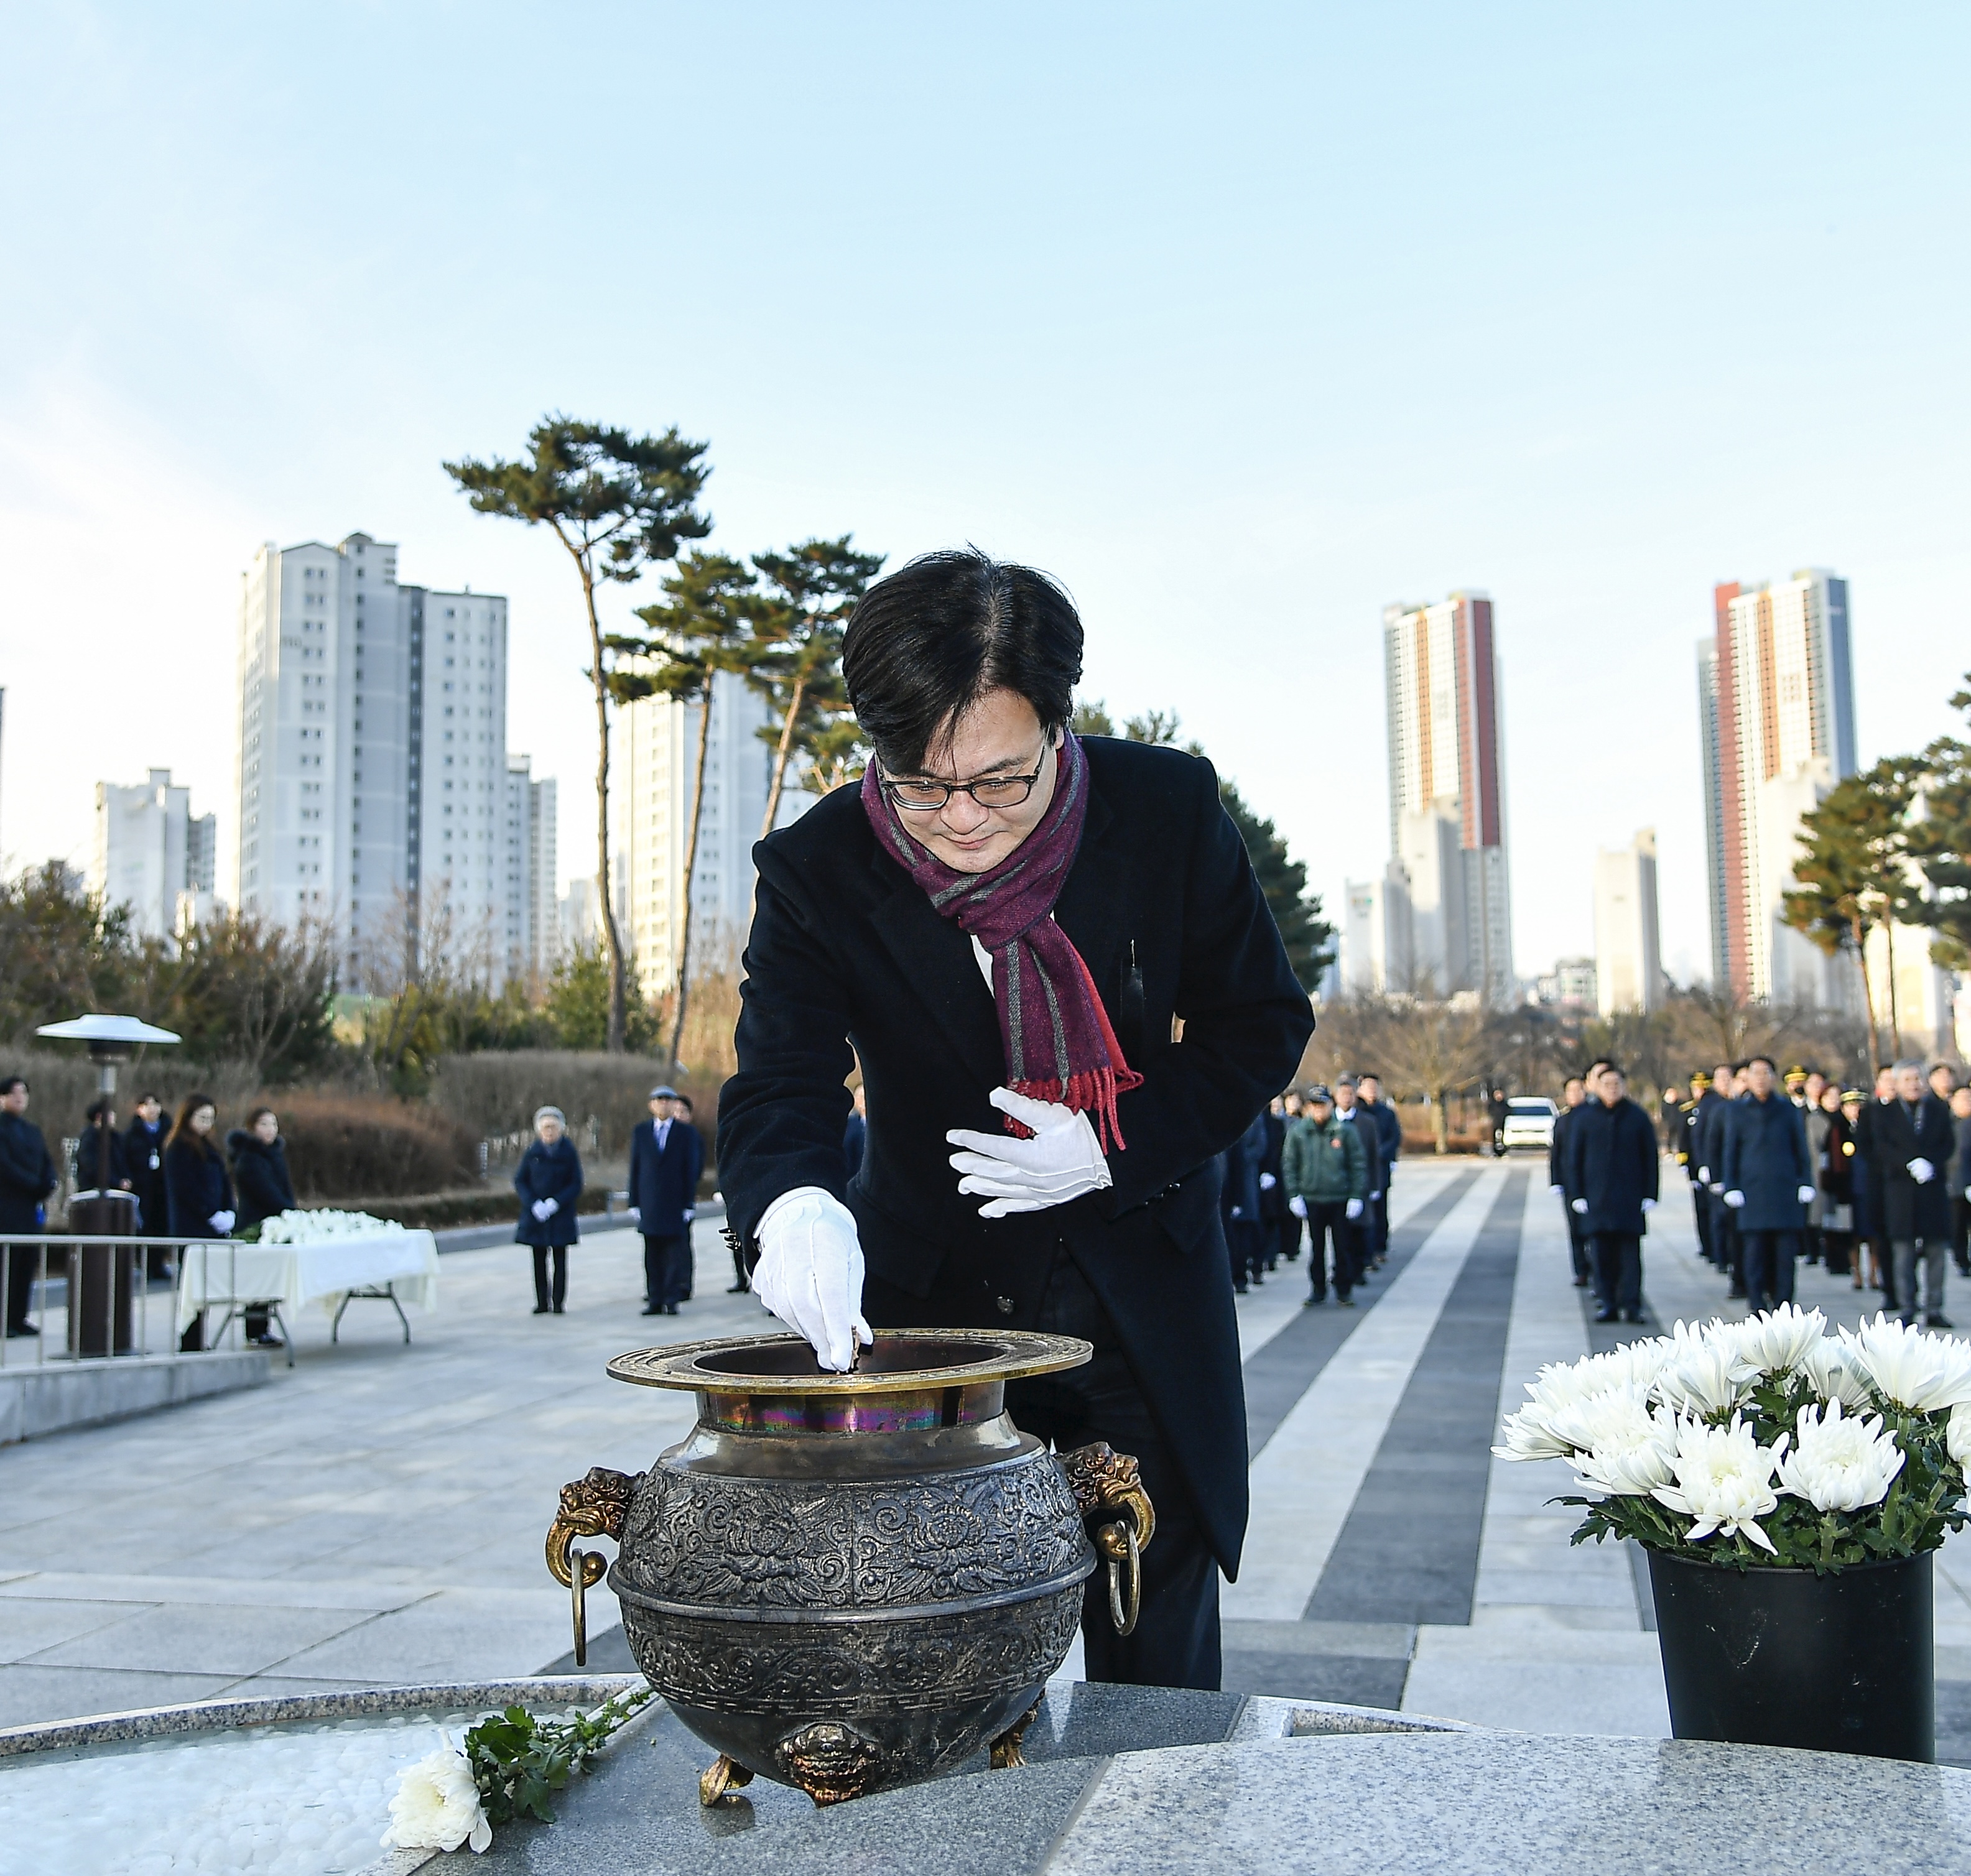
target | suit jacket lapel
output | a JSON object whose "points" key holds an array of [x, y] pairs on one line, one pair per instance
{"points": [[1090, 909], [937, 962]]}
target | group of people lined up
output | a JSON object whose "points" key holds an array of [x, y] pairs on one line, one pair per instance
{"points": [[1318, 1160], [183, 1186], [1870, 1185]]}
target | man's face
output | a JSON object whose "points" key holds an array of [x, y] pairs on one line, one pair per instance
{"points": [[1344, 1097], [663, 1107], [147, 1112], [1576, 1092], [1817, 1085], [998, 738], [15, 1101], [1886, 1083], [1319, 1112], [1909, 1084], [1612, 1086], [1759, 1079], [1961, 1104], [1943, 1082], [1370, 1089], [1723, 1082]]}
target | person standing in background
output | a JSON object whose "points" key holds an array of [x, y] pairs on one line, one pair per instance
{"points": [[1686, 1158], [260, 1176], [144, 1161], [1834, 1173], [88, 1150], [1273, 1198], [1359, 1227], [1390, 1135], [1670, 1107], [1959, 1180], [1610, 1178], [1768, 1181], [1943, 1081], [1709, 1148], [1325, 1170], [1571, 1097], [666, 1156], [27, 1177], [196, 1189], [549, 1180], [1291, 1225], [1818, 1122], [1238, 1201], [1869, 1223], [1913, 1138]]}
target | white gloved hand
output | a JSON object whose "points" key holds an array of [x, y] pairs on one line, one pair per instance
{"points": [[221, 1222], [1558, 1191], [810, 1272], [1060, 1162], [539, 1208], [1267, 1182], [1580, 1208], [690, 1212], [1236, 1212], [1353, 1209], [552, 1205], [1735, 1200], [1704, 1175], [1922, 1171], [1297, 1205], [1805, 1195], [1649, 1205]]}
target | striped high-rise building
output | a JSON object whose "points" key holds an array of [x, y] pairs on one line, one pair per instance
{"points": [[1447, 795], [1776, 702]]}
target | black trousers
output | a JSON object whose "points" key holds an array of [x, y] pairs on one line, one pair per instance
{"points": [[1176, 1643], [1618, 1270], [1838, 1247], [1378, 1237], [23, 1262], [1290, 1231], [1960, 1232], [1768, 1256], [1327, 1218], [1577, 1243], [667, 1271], [542, 1253], [1702, 1209], [1245, 1242]]}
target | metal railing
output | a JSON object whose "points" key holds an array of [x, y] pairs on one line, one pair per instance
{"points": [[89, 1299]]}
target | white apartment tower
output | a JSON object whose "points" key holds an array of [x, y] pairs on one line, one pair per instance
{"points": [[1447, 794], [1628, 948], [371, 756], [150, 852]]}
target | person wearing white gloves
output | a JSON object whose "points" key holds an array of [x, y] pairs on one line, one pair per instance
{"points": [[1573, 1095], [1766, 1178], [1008, 921], [198, 1191], [1912, 1139], [549, 1180], [1324, 1167], [1609, 1177]]}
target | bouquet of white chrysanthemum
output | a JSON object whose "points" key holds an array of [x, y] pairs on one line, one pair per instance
{"points": [[1762, 1441], [320, 1227]]}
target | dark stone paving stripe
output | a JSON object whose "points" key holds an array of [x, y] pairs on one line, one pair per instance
{"points": [[1279, 1373], [1408, 1551]]}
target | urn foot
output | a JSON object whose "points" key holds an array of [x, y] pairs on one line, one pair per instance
{"points": [[722, 1776], [1006, 1753]]}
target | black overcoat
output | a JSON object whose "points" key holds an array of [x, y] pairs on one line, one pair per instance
{"points": [[144, 1163], [1766, 1158], [260, 1176], [845, 948], [27, 1174], [1611, 1161], [663, 1184], [1707, 1135], [196, 1187], [1898, 1136], [548, 1172]]}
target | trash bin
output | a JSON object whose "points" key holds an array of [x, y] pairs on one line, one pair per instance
{"points": [[101, 1276]]}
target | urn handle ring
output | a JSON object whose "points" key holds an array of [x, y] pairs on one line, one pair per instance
{"points": [[593, 1507], [1106, 1483]]}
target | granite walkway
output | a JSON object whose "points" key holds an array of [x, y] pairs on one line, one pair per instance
{"points": [[375, 1515]]}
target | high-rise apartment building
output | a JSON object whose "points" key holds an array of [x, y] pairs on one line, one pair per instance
{"points": [[1776, 720], [1628, 947], [533, 935], [371, 753], [152, 854], [660, 748], [1447, 794]]}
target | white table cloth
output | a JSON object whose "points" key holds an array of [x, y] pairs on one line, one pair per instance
{"points": [[221, 1274]]}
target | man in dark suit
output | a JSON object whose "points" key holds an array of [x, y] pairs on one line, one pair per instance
{"points": [[1708, 1149], [27, 1177], [1571, 1097], [1389, 1134], [1611, 1188], [1913, 1140], [1768, 1179], [1006, 923], [1358, 1234], [665, 1158]]}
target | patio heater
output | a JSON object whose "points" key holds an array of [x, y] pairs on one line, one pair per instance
{"points": [[101, 1274]]}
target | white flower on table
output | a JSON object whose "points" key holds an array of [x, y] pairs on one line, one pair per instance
{"points": [[1839, 1463], [1780, 1340], [1925, 1373], [437, 1805], [1724, 1480], [323, 1226]]}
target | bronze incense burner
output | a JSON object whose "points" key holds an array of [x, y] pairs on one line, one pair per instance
{"points": [[846, 1582]]}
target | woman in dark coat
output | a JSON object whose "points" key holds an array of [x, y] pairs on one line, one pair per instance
{"points": [[549, 1180], [1836, 1176], [88, 1150], [196, 1191], [260, 1173]]}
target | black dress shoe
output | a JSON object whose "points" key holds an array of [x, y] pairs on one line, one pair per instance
{"points": [[557, 1309], [654, 1309], [1939, 1321], [738, 1289], [670, 1309], [540, 1309], [1632, 1315], [16, 1330]]}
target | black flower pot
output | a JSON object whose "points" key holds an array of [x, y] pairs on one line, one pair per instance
{"points": [[1770, 1657]]}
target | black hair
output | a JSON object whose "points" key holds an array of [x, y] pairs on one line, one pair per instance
{"points": [[182, 1131], [95, 1110], [930, 640], [9, 1083], [1767, 1059]]}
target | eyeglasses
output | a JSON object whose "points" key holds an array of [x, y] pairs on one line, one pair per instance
{"points": [[997, 791]]}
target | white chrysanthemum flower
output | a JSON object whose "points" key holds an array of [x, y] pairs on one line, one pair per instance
{"points": [[1632, 1448], [1529, 1436], [1724, 1480], [1840, 1463], [437, 1805], [1835, 1375], [1924, 1373], [323, 1226], [1957, 1435], [1706, 1372], [1779, 1340]]}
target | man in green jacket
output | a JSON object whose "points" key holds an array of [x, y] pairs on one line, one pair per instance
{"points": [[1325, 1170]]}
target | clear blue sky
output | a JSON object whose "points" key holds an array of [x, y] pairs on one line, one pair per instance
{"points": [[1243, 320]]}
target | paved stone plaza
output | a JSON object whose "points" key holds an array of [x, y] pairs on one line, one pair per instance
{"points": [[376, 1515]]}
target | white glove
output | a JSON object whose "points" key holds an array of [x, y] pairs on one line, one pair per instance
{"points": [[1297, 1205], [1353, 1209], [1267, 1182], [1061, 1161], [221, 1222], [1373, 1197], [1704, 1175], [1237, 1213], [690, 1212], [1649, 1205], [1806, 1195], [809, 1273], [1581, 1207], [1735, 1200], [552, 1206], [1922, 1171], [1558, 1191], [540, 1208]]}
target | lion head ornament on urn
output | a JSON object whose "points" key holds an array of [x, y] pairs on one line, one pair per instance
{"points": [[845, 1582]]}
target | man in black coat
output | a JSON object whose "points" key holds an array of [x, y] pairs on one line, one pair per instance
{"points": [[1571, 1097], [1273, 1198], [144, 1161], [1360, 1234], [961, 671], [1912, 1139], [1691, 1115], [666, 1156], [1611, 1188], [1708, 1149], [1390, 1133], [1768, 1181], [27, 1177]]}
